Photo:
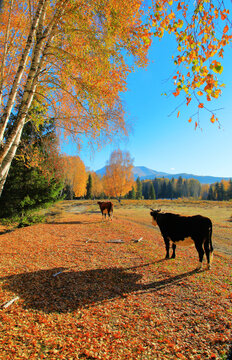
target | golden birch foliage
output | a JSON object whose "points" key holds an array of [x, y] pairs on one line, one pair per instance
{"points": [[226, 184], [119, 178], [83, 69], [75, 57], [97, 185], [76, 175]]}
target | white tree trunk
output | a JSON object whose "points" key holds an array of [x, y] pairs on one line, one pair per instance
{"points": [[21, 68], [5, 166]]}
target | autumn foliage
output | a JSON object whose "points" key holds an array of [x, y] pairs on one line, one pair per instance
{"points": [[75, 175], [119, 178], [75, 57], [202, 29]]}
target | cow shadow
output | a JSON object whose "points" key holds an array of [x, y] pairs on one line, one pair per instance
{"points": [[63, 290]]}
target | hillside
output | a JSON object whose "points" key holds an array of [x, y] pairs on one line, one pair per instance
{"points": [[145, 173]]}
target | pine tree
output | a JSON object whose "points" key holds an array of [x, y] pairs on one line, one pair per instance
{"points": [[31, 185], [179, 187], [170, 193], [151, 192], [222, 192], [163, 193], [211, 193], [145, 189], [89, 187], [138, 189], [229, 191], [132, 194]]}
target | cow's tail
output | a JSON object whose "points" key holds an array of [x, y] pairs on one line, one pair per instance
{"points": [[210, 243]]}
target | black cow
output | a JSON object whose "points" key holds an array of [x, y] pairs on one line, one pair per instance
{"points": [[106, 208], [185, 230]]}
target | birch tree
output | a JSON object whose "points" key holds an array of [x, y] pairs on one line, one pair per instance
{"points": [[71, 55], [119, 178]]}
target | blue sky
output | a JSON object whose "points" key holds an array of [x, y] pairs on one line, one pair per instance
{"points": [[161, 141]]}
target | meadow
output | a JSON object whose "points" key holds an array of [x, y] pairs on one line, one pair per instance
{"points": [[84, 288]]}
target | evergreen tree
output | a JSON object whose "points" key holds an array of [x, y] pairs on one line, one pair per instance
{"points": [[27, 189], [132, 194], [222, 193], [229, 191], [185, 192], [139, 194], [151, 192], [211, 193], [156, 185], [217, 191], [163, 190], [89, 187], [179, 187], [170, 193], [145, 189], [27, 186]]}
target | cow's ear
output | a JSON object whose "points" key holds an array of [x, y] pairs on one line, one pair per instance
{"points": [[152, 209], [158, 210]]}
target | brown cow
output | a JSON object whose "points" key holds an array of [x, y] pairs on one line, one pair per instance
{"points": [[106, 207]]}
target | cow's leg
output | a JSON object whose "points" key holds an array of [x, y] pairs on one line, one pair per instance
{"points": [[167, 244], [173, 251], [200, 253], [207, 252]]}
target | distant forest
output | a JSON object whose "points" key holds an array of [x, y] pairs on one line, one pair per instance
{"points": [[162, 188]]}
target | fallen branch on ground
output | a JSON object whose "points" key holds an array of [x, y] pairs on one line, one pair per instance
{"points": [[8, 303], [135, 240]]}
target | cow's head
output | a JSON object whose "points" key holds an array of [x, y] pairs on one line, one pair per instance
{"points": [[154, 214]]}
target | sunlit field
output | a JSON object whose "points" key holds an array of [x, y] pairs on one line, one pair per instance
{"points": [[84, 288]]}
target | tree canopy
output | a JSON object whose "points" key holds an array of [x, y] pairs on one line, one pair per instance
{"points": [[202, 29], [75, 56], [72, 59], [119, 178]]}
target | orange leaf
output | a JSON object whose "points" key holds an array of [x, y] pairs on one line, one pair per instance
{"points": [[189, 120], [188, 100], [223, 16], [212, 119], [226, 28], [201, 105], [178, 114], [176, 93]]}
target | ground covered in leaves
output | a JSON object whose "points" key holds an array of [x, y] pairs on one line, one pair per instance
{"points": [[87, 289]]}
